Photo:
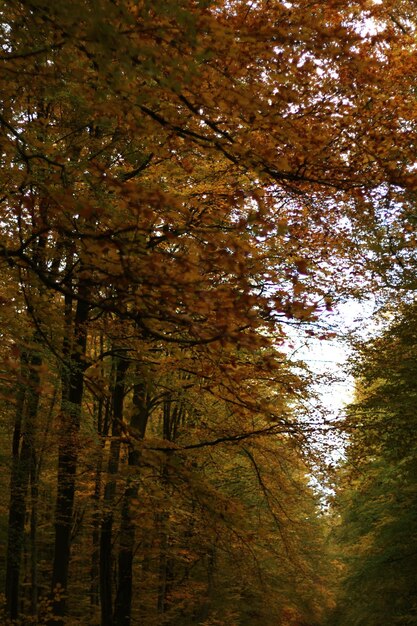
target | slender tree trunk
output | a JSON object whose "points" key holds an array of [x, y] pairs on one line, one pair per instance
{"points": [[106, 536], [96, 517], [72, 395], [17, 508], [123, 602], [24, 462], [172, 416], [33, 542], [103, 410], [165, 566]]}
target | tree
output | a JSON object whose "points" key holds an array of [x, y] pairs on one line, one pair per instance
{"points": [[378, 484]]}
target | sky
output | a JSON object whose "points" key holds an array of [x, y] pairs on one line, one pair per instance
{"points": [[329, 358]]}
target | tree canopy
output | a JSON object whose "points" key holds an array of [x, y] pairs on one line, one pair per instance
{"points": [[184, 184]]}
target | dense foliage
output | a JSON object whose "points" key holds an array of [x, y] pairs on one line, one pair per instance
{"points": [[181, 182], [378, 489]]}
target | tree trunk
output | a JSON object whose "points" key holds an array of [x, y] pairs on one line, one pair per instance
{"points": [[123, 602], [24, 462], [34, 495], [96, 516], [103, 413], [173, 414], [165, 573], [72, 395], [109, 495]]}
